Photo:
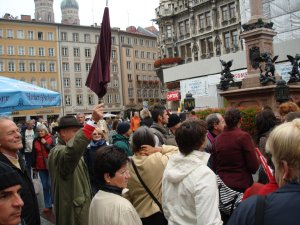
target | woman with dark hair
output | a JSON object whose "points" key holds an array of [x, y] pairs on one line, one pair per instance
{"points": [[190, 191], [150, 168], [108, 206]]}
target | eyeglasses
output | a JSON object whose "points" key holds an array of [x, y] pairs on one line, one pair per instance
{"points": [[97, 134]]}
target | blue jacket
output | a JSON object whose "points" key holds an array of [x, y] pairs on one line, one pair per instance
{"points": [[282, 207]]}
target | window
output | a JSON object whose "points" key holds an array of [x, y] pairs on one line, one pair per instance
{"points": [[135, 41], [115, 68], [149, 67], [76, 52], [232, 10], [21, 50], [42, 67], [117, 98], [187, 26], [136, 53], [127, 52], [1, 67], [30, 35], [142, 54], [51, 51], [116, 83], [64, 51], [1, 50], [113, 40], [141, 42], [65, 67], [143, 66], [97, 38], [235, 39], [40, 36], [169, 31], [91, 99], [51, 67], [113, 54], [156, 93], [129, 76], [88, 67], [147, 43], [22, 67], [79, 99], [75, 37], [78, 82], [77, 67], [1, 33], [122, 39], [203, 46], [109, 99], [63, 36], [43, 83], [210, 45], [66, 82], [137, 66], [10, 50], [11, 66], [87, 52], [67, 100], [50, 36], [154, 56], [129, 40], [208, 19], [128, 65], [87, 38], [32, 67], [41, 52], [33, 81], [181, 28], [225, 13], [202, 21], [227, 40], [20, 34], [10, 33], [148, 55], [53, 84], [31, 51]]}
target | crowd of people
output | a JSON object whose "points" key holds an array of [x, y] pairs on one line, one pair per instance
{"points": [[157, 168]]}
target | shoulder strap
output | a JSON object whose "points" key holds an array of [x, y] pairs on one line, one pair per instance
{"points": [[145, 186], [260, 210]]}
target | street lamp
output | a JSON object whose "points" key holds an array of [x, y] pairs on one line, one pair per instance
{"points": [[189, 102], [282, 91]]}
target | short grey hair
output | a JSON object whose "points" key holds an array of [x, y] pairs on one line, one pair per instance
{"points": [[212, 119]]}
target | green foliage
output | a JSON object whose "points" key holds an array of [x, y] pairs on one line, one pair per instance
{"points": [[248, 117]]}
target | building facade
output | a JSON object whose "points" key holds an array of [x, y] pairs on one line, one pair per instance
{"points": [[44, 11]]}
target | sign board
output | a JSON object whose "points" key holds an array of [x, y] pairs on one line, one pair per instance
{"points": [[173, 96]]}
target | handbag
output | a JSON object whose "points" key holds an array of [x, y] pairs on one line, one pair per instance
{"points": [[228, 198], [36, 182]]}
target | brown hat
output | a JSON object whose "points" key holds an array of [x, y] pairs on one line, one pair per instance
{"points": [[67, 121]]}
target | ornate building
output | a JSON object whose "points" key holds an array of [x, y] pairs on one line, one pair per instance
{"points": [[69, 12], [44, 11]]}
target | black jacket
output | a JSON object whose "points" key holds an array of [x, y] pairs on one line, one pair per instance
{"points": [[30, 210]]}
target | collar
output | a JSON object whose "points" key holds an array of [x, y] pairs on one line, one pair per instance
{"points": [[111, 189]]}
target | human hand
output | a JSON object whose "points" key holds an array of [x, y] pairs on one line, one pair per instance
{"points": [[148, 150], [43, 141], [98, 112]]}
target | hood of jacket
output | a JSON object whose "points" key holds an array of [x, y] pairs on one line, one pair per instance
{"points": [[180, 166], [119, 137]]}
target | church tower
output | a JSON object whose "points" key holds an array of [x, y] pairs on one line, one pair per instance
{"points": [[44, 11], [69, 12]]}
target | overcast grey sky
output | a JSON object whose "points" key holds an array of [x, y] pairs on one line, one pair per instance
{"points": [[122, 12]]}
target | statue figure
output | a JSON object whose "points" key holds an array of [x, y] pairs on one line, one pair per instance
{"points": [[295, 74], [226, 79], [269, 73]]}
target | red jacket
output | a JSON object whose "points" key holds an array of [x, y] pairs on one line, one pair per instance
{"points": [[41, 151], [234, 159]]}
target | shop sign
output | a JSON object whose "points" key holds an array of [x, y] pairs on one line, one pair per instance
{"points": [[173, 96]]}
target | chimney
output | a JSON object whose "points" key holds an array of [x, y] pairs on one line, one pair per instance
{"points": [[26, 17]]}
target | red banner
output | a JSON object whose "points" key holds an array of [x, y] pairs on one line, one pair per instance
{"points": [[173, 96]]}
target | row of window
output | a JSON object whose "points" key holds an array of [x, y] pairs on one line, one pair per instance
{"points": [[23, 67], [142, 54], [136, 41], [42, 82], [78, 82], [108, 99], [76, 52], [21, 50], [31, 35], [147, 93]]}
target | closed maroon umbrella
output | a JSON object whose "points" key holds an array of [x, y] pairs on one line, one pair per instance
{"points": [[99, 74]]}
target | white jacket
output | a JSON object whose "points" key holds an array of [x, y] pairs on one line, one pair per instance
{"points": [[111, 209], [189, 191]]}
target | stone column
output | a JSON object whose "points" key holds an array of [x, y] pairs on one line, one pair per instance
{"points": [[256, 10]]}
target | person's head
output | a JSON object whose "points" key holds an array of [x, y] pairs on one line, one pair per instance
{"points": [[110, 167], [97, 134], [123, 128], [10, 137], [115, 124], [232, 117], [193, 113], [67, 127], [284, 145], [182, 116], [215, 123], [80, 118], [159, 114], [287, 107], [145, 113], [136, 114], [191, 135], [265, 120], [173, 122], [42, 130], [142, 136], [30, 124], [291, 116], [10, 201]]}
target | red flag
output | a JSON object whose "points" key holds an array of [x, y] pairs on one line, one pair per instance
{"points": [[99, 74]]}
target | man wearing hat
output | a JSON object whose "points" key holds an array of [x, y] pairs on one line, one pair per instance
{"points": [[10, 200], [121, 139], [69, 174], [173, 123], [10, 144]]}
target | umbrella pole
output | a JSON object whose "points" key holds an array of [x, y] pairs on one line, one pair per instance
{"points": [[106, 3]]}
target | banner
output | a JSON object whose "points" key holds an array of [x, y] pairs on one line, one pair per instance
{"points": [[173, 96]]}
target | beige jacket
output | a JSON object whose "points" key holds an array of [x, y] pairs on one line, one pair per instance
{"points": [[151, 169]]}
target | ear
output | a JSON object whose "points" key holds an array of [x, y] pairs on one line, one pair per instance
{"points": [[107, 178], [287, 173]]}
